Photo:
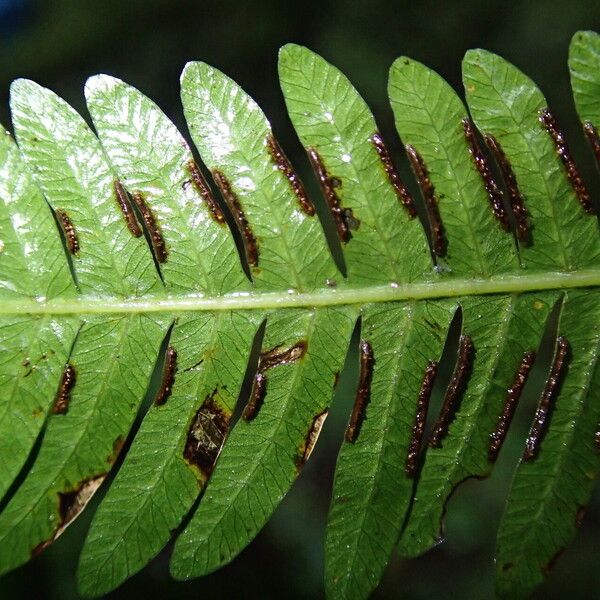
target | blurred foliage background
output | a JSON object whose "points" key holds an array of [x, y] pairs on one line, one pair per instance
{"points": [[59, 43]]}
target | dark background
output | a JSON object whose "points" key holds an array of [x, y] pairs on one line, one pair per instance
{"points": [[147, 42]]}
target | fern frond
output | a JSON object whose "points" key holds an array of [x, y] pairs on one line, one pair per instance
{"points": [[120, 262]]}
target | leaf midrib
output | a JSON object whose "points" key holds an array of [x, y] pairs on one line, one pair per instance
{"points": [[344, 295]]}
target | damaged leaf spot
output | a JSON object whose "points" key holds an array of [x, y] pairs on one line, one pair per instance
{"points": [[126, 208], [206, 435], [63, 396], [436, 227], [545, 404], [70, 505], [549, 124], [510, 404], [329, 185], [283, 164], [481, 164], [420, 417], [520, 214], [311, 439], [232, 201], [156, 238], [388, 166], [269, 360], [591, 133], [456, 388], [202, 188], [168, 377], [363, 393], [69, 231]]}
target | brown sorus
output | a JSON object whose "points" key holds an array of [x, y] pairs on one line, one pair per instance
{"points": [[456, 388], [328, 185], [168, 377], [363, 393], [156, 238], [63, 396], [202, 188], [420, 417], [283, 164], [436, 227], [562, 149], [520, 214], [69, 231], [545, 404], [206, 435], [257, 397], [591, 133], [481, 164], [510, 404], [401, 190], [127, 209], [232, 201]]}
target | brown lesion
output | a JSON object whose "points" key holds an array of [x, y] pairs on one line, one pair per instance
{"points": [[547, 399], [311, 439], [233, 203], [418, 428], [342, 217], [454, 392], [203, 189], [517, 203], [363, 392], [127, 209], [269, 359], [436, 227], [116, 449], [156, 238], [168, 377], [494, 193], [513, 394], [562, 150], [71, 503], [206, 435], [283, 164], [63, 395], [591, 133], [400, 189], [549, 566], [68, 229]]}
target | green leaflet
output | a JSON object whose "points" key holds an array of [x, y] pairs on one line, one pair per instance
{"points": [[154, 490], [502, 329], [72, 171], [333, 120], [429, 117], [113, 360], [263, 456], [541, 519], [233, 137], [32, 261], [506, 104], [155, 161], [584, 67], [372, 491], [149, 257]]}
